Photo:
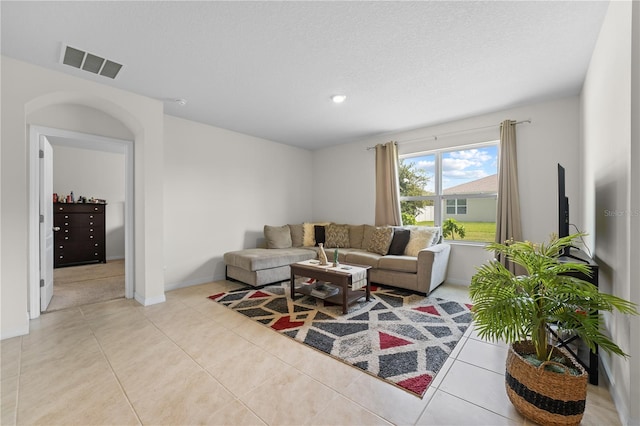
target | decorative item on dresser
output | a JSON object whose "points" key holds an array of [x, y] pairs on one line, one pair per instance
{"points": [[79, 234]]}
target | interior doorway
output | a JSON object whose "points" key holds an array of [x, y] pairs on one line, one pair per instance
{"points": [[71, 139], [85, 284]]}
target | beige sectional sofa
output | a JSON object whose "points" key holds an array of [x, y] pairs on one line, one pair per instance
{"points": [[409, 257]]}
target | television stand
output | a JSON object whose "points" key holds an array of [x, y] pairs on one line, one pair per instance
{"points": [[589, 363], [573, 254]]}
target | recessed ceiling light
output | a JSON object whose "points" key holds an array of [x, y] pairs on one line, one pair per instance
{"points": [[338, 99], [181, 102]]}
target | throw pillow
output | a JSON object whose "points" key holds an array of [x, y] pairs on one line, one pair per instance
{"points": [[356, 234], [277, 236], [399, 241], [296, 235], [367, 233], [380, 240], [309, 233], [337, 236], [319, 234], [418, 240]]}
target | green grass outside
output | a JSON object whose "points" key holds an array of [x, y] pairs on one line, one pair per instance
{"points": [[474, 231]]}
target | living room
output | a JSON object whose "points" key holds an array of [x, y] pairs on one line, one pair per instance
{"points": [[201, 190]]}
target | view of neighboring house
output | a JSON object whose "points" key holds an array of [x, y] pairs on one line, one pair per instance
{"points": [[468, 208]]}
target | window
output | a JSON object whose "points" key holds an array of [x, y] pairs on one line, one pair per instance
{"points": [[452, 186], [457, 206]]}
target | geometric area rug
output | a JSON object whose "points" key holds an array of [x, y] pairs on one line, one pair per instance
{"points": [[398, 336]]}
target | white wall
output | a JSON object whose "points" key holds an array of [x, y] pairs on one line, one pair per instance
{"points": [[97, 174], [611, 187], [82, 119], [220, 189], [552, 137], [27, 89]]}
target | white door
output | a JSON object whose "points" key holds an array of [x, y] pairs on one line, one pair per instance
{"points": [[46, 223]]}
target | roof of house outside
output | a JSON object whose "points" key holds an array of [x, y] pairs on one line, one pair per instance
{"points": [[487, 184]]}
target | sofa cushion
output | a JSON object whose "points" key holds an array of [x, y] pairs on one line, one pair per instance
{"points": [[296, 235], [278, 237], [359, 257], [419, 239], [380, 240], [356, 234], [336, 236], [399, 241], [399, 263], [260, 258]]}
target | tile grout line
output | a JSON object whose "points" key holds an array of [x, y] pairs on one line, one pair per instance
{"points": [[338, 392], [19, 381], [479, 406], [115, 375], [236, 398]]}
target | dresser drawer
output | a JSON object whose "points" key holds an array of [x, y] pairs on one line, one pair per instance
{"points": [[79, 220], [78, 208]]}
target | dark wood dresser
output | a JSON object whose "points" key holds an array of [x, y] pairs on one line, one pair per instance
{"points": [[80, 238]]}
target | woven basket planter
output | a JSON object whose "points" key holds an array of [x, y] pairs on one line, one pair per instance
{"points": [[546, 397]]}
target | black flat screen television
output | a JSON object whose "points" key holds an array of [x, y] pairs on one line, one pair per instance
{"points": [[563, 209]]}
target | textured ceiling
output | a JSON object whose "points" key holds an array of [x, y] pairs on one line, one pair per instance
{"points": [[269, 68]]}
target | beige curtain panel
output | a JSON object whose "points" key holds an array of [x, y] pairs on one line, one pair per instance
{"points": [[387, 188], [508, 225]]}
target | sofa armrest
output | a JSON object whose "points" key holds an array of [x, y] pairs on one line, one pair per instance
{"points": [[432, 266]]}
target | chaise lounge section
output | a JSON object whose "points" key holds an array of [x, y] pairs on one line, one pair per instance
{"points": [[409, 257]]}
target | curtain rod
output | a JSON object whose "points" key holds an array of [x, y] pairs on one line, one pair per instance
{"points": [[435, 137]]}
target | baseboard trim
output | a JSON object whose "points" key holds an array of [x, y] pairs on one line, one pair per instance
{"points": [[150, 300], [456, 281], [16, 332], [192, 282]]}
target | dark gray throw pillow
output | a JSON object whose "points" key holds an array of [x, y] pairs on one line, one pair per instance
{"points": [[319, 234], [399, 241]]}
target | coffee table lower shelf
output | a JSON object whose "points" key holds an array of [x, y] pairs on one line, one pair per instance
{"points": [[342, 280], [352, 295]]}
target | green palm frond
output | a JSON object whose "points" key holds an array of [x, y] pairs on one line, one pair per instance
{"points": [[514, 308]]}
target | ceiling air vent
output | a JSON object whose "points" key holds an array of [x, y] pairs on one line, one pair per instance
{"points": [[89, 62]]}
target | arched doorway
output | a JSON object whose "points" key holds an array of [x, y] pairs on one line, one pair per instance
{"points": [[84, 140]]}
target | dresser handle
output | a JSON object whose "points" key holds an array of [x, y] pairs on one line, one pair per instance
{"points": [[56, 228]]}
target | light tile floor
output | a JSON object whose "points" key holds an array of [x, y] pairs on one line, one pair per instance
{"points": [[192, 361]]}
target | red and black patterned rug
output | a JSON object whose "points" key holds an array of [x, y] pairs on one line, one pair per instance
{"points": [[398, 336]]}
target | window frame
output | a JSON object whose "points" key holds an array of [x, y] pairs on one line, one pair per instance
{"points": [[439, 199]]}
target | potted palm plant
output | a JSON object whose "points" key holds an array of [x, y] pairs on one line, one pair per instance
{"points": [[544, 382]]}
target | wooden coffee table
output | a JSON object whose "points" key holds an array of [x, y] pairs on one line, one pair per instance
{"points": [[341, 277]]}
